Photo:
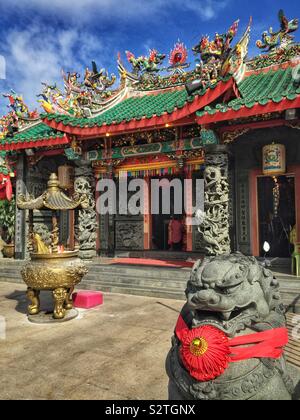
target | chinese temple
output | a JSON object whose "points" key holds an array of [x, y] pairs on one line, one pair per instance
{"points": [[213, 114]]}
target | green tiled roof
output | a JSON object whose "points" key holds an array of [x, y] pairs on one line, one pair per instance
{"points": [[136, 108], [38, 132], [261, 88]]}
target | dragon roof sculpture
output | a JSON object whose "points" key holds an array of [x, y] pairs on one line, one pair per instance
{"points": [[280, 39], [219, 47], [18, 117], [146, 65], [79, 96]]}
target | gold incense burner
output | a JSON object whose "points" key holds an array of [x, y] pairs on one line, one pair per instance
{"points": [[51, 268]]}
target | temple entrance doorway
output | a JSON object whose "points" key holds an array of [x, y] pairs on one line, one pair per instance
{"points": [[277, 214], [168, 227]]}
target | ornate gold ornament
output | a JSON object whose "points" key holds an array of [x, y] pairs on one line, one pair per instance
{"points": [[50, 269], [230, 136]]}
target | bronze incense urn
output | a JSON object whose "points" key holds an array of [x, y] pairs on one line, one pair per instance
{"points": [[51, 268]]}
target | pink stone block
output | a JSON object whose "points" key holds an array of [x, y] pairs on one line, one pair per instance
{"points": [[87, 300]]}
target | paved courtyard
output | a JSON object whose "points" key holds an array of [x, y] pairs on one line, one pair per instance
{"points": [[113, 352], [116, 351]]}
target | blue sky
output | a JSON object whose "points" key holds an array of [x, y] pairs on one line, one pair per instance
{"points": [[40, 37]]}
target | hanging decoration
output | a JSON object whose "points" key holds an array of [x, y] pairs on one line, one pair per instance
{"points": [[276, 196], [6, 173], [274, 159], [66, 175]]}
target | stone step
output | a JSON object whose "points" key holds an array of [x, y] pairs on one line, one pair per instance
{"points": [[138, 291], [141, 285], [145, 271], [144, 280]]}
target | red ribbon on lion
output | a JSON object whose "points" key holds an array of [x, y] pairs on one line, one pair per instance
{"points": [[206, 351]]}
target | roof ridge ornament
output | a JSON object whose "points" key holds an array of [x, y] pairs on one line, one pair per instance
{"points": [[19, 116], [146, 67], [178, 58], [81, 96], [272, 41], [218, 59]]}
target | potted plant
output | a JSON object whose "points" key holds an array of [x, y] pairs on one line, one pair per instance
{"points": [[7, 225]]}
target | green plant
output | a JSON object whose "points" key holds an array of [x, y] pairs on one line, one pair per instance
{"points": [[7, 220]]}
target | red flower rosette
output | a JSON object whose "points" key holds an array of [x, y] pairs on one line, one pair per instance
{"points": [[205, 352]]}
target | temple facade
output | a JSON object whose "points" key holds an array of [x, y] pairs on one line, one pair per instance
{"points": [[230, 121]]}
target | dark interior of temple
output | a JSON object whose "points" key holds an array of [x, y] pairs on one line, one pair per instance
{"points": [[276, 202]]}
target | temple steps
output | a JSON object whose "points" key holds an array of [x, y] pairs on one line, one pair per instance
{"points": [[147, 281]]}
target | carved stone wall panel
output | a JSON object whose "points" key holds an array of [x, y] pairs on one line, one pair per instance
{"points": [[129, 235], [103, 234], [243, 215]]}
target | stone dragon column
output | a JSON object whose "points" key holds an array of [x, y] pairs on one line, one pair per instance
{"points": [[20, 218], [87, 219], [214, 223]]}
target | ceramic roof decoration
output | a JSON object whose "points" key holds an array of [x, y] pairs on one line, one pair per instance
{"points": [[282, 37], [17, 118], [178, 58], [146, 66], [17, 105], [79, 96], [154, 93]]}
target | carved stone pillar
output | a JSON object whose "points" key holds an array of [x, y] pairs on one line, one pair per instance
{"points": [[20, 222], [87, 218], [214, 226]]}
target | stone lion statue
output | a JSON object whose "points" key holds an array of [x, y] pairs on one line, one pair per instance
{"points": [[229, 339]]}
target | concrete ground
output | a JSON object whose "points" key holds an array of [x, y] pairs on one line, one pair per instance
{"points": [[114, 352]]}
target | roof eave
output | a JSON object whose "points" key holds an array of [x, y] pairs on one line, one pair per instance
{"points": [[33, 144], [199, 102], [245, 112]]}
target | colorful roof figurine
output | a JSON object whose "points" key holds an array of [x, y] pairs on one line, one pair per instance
{"points": [[79, 97], [279, 47], [282, 37], [18, 118], [178, 58], [146, 66], [18, 106]]}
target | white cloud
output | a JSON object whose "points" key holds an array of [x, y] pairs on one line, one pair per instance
{"points": [[38, 54], [83, 10]]}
